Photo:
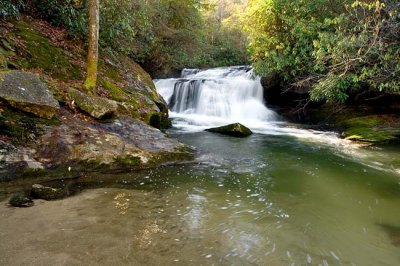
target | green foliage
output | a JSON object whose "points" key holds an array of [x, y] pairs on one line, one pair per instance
{"points": [[363, 51], [71, 14], [331, 47], [10, 8], [282, 33], [159, 34]]}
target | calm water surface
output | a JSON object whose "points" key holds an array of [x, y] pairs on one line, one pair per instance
{"points": [[263, 200]]}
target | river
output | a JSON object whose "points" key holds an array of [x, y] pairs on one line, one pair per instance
{"points": [[283, 196]]}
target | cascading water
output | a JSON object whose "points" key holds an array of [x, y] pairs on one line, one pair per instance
{"points": [[201, 99], [204, 98]]}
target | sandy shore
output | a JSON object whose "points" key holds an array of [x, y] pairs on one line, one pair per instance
{"points": [[87, 229]]}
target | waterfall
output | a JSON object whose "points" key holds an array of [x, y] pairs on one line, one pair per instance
{"points": [[214, 97]]}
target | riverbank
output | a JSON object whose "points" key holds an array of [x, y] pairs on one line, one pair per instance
{"points": [[370, 117], [52, 128]]}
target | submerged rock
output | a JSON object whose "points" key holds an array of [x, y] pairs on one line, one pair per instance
{"points": [[24, 91], [20, 199], [47, 193], [393, 232], [95, 106], [235, 130]]}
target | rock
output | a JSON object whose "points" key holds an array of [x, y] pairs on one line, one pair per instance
{"points": [[235, 130], [393, 232], [96, 107], [20, 199], [123, 144], [140, 100], [47, 193], [24, 91]]}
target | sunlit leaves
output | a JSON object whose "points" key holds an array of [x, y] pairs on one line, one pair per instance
{"points": [[336, 46]]}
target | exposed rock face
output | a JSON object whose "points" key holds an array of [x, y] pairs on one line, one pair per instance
{"points": [[26, 92], [73, 143], [95, 106], [77, 146], [123, 144], [20, 199], [235, 130], [46, 193], [14, 160]]}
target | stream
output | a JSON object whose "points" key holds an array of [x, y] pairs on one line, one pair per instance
{"points": [[283, 196]]}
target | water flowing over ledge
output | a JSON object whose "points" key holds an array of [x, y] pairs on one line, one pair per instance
{"points": [[214, 97], [201, 99]]}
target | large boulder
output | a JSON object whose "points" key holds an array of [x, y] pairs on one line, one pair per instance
{"points": [[235, 130], [95, 106], [25, 91], [122, 144]]}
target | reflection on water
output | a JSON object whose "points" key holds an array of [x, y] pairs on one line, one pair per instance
{"points": [[265, 200], [121, 202]]}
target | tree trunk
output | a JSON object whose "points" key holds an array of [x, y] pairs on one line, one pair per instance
{"points": [[93, 49]]}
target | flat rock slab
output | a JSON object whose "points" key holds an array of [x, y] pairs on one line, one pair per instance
{"points": [[25, 91], [234, 130]]}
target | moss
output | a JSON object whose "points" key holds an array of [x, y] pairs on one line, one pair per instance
{"points": [[234, 130], [375, 129], [22, 128], [3, 61], [96, 107], [128, 162], [116, 92], [44, 55], [159, 120]]}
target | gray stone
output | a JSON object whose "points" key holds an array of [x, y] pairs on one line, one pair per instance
{"points": [[25, 91]]}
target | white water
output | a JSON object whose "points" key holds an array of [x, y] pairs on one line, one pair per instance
{"points": [[214, 97], [201, 99]]}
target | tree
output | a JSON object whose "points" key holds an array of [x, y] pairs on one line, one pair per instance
{"points": [[93, 46]]}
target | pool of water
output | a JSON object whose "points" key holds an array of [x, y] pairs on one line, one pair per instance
{"points": [[262, 200]]}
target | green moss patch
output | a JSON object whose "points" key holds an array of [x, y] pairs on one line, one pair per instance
{"points": [[41, 53], [22, 128], [374, 128]]}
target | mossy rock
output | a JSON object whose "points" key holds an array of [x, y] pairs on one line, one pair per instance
{"points": [[374, 129], [96, 107], [24, 91], [47, 193], [20, 199], [234, 130], [140, 104]]}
